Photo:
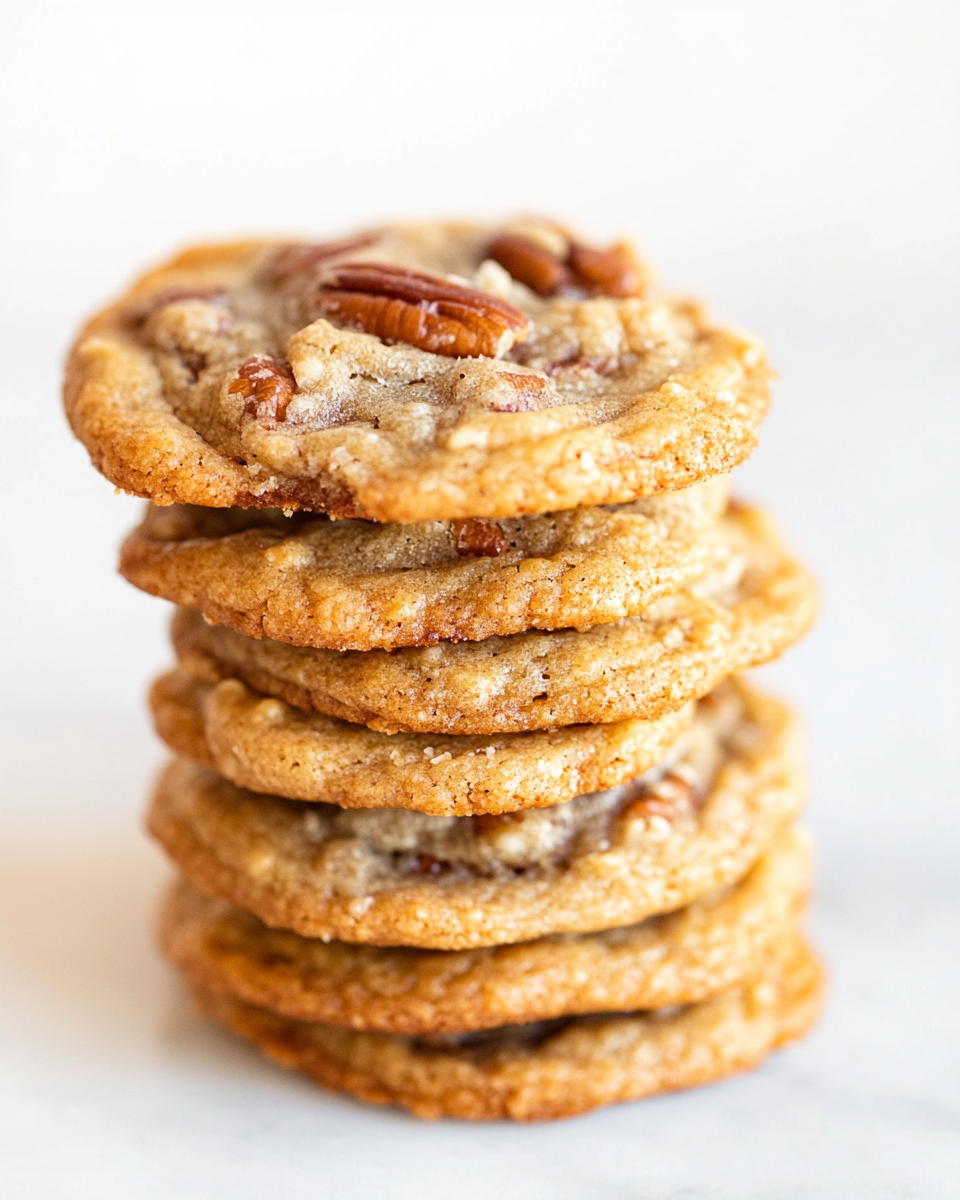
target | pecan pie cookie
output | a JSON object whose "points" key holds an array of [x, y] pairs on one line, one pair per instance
{"points": [[411, 373], [546, 1070], [717, 942], [356, 585], [393, 877], [268, 746], [471, 811], [640, 667]]}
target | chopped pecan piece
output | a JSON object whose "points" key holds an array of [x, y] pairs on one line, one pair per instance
{"points": [[426, 311], [292, 260], [518, 392], [268, 386], [613, 272], [671, 797], [479, 539]]}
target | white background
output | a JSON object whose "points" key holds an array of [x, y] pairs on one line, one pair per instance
{"points": [[796, 163]]}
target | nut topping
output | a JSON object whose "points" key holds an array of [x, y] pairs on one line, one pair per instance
{"points": [[613, 272], [531, 264], [479, 539], [518, 392], [671, 797], [294, 259], [426, 311], [267, 385]]}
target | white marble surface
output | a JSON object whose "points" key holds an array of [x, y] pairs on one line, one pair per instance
{"points": [[109, 1085]]}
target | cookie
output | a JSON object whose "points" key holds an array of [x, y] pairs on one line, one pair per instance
{"points": [[546, 1070], [268, 746], [391, 877], [718, 942], [637, 668], [411, 373], [356, 585]]}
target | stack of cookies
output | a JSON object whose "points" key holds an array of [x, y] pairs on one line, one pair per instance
{"points": [[471, 809]]}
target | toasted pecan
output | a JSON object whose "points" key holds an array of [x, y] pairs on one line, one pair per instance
{"points": [[426, 311], [518, 392], [267, 385], [479, 539], [611, 272], [301, 256], [671, 797], [531, 264]]}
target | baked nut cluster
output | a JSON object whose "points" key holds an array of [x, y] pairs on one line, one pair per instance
{"points": [[471, 807]]}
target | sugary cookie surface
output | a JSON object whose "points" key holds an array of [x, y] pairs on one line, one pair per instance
{"points": [[678, 648], [412, 373], [358, 585], [721, 940], [261, 743], [698, 821], [547, 1069]]}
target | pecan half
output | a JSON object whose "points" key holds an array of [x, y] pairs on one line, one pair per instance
{"points": [[267, 385], [294, 259], [426, 311], [531, 264], [479, 539], [612, 272]]}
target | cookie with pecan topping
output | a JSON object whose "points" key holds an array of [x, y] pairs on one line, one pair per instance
{"points": [[268, 746], [356, 585], [547, 1070], [393, 877], [640, 667], [715, 943], [412, 373]]}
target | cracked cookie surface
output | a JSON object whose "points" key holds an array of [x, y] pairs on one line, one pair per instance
{"points": [[546, 1070], [407, 375], [694, 823], [356, 585], [638, 668], [715, 943]]}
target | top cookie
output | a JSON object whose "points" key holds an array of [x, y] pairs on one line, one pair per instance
{"points": [[411, 373]]}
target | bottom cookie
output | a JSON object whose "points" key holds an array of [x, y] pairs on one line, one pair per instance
{"points": [[552, 1069]]}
